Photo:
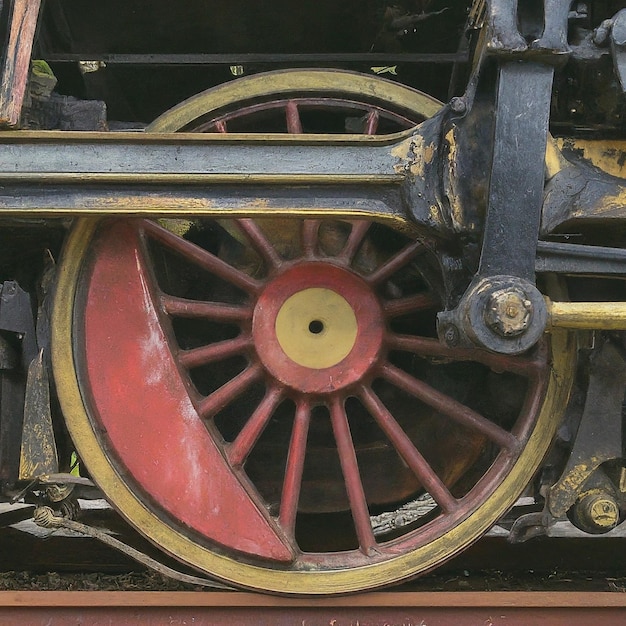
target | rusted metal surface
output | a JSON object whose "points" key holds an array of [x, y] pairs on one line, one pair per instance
{"points": [[406, 609], [17, 59]]}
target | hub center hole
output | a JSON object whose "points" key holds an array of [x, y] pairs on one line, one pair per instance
{"points": [[316, 327]]}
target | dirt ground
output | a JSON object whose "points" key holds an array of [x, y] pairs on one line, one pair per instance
{"points": [[452, 581]]}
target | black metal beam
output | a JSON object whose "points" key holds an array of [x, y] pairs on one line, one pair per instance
{"points": [[87, 157], [247, 59], [576, 259], [345, 201], [57, 174], [517, 174]]}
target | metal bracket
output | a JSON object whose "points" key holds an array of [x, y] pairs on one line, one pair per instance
{"points": [[599, 436], [502, 310], [38, 451]]}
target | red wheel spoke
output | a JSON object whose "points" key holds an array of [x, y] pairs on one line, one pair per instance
{"points": [[386, 270], [223, 396], [214, 352], [409, 453], [357, 234], [450, 407], [424, 346], [352, 477], [402, 306], [295, 467], [260, 242], [294, 124], [310, 230], [202, 258], [220, 126], [181, 307], [371, 125], [239, 449]]}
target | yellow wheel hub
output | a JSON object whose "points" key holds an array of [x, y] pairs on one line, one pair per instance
{"points": [[316, 328]]}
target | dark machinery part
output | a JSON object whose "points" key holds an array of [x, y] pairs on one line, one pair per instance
{"points": [[584, 492], [617, 38], [599, 436], [17, 326], [502, 310]]}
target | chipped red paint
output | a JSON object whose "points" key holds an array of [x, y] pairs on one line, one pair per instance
{"points": [[152, 425]]}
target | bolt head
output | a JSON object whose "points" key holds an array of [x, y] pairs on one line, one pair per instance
{"points": [[458, 105], [508, 312], [604, 512], [451, 335], [596, 512]]}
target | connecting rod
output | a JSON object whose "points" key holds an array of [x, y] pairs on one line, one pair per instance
{"points": [[586, 315]]}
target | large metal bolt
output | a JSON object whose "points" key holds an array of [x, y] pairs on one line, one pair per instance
{"points": [[508, 312], [458, 105], [451, 335], [596, 512]]}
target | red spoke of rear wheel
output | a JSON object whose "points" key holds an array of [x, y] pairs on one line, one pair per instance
{"points": [[352, 477], [214, 352], [222, 397], [371, 125], [310, 231], [181, 307], [260, 242], [239, 449], [220, 126], [202, 258], [410, 304], [357, 234], [409, 453], [294, 124], [294, 467], [427, 347], [396, 262], [450, 407]]}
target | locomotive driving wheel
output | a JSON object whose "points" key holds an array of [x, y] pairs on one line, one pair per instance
{"points": [[267, 401]]}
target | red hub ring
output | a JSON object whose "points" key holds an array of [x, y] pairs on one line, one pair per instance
{"points": [[318, 328]]}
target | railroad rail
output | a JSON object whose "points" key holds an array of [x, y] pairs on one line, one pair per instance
{"points": [[406, 609]]}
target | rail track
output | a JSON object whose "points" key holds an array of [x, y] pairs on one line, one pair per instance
{"points": [[406, 609], [556, 580]]}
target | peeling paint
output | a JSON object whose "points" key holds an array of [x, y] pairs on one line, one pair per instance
{"points": [[456, 208]]}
